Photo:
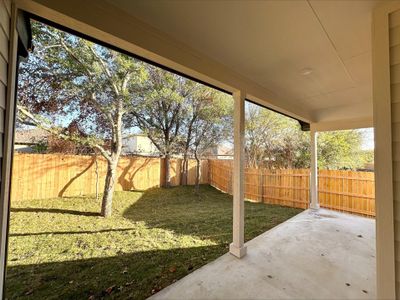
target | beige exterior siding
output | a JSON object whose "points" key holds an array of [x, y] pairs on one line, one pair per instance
{"points": [[5, 17], [5, 35], [394, 42], [5, 12]]}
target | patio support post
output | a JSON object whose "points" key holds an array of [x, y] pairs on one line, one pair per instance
{"points": [[314, 170], [237, 247]]}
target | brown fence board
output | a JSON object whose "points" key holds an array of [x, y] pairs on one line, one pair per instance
{"points": [[43, 176], [346, 191]]}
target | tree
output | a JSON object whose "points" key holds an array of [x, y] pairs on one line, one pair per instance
{"points": [[341, 150], [160, 112], [272, 140], [80, 92], [179, 115], [59, 145], [276, 141], [208, 124]]}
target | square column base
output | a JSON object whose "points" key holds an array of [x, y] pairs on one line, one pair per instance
{"points": [[314, 206], [238, 252]]}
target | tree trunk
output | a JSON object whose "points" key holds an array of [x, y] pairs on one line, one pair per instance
{"points": [[97, 177], [112, 163], [198, 173], [184, 173], [109, 186], [167, 171]]}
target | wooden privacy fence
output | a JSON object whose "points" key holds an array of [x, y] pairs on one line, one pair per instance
{"points": [[42, 176], [347, 191]]}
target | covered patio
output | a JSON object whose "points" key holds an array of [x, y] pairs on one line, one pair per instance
{"points": [[315, 255], [310, 60]]}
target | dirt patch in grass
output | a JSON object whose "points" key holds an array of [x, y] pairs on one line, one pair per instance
{"points": [[62, 248]]}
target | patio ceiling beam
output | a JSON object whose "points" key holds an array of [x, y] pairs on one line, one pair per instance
{"points": [[237, 247], [314, 169], [343, 124]]}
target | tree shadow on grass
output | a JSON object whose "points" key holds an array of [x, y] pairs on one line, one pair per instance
{"points": [[179, 209], [206, 216], [54, 211], [126, 276], [72, 232]]}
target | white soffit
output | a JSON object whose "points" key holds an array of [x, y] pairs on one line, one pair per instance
{"points": [[274, 43]]}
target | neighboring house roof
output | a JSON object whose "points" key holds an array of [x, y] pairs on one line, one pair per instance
{"points": [[225, 150], [31, 136]]}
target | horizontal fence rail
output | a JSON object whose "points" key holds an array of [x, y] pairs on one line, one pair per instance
{"points": [[346, 191], [44, 176]]}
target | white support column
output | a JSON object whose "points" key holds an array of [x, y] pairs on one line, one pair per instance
{"points": [[237, 247], [314, 170]]}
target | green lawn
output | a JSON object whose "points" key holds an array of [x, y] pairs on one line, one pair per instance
{"points": [[62, 248]]}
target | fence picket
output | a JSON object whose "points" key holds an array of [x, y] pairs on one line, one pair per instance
{"points": [[346, 191], [41, 176]]}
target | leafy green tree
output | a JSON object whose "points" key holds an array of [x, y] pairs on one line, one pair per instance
{"points": [[276, 141], [272, 140], [209, 123], [179, 115], [80, 92], [341, 150], [40, 147], [160, 111], [368, 156]]}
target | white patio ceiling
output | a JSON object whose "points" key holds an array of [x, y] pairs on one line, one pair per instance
{"points": [[313, 54], [310, 59]]}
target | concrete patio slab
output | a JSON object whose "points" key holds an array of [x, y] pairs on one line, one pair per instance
{"points": [[315, 255]]}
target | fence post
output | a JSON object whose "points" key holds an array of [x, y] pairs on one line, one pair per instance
{"points": [[33, 178]]}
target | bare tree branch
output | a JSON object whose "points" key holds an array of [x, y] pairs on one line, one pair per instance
{"points": [[43, 124]]}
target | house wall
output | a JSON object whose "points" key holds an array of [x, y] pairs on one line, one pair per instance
{"points": [[7, 82], [138, 144], [134, 144], [23, 148], [5, 14], [394, 56], [128, 145], [145, 145]]}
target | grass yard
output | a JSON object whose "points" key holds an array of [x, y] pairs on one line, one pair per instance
{"points": [[62, 248]]}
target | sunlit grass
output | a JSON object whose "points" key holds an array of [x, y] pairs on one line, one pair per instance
{"points": [[62, 248]]}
